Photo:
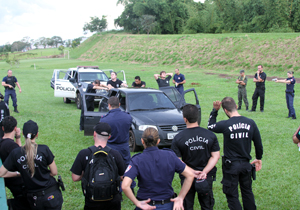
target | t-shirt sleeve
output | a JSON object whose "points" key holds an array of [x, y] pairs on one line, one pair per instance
{"points": [[175, 148], [179, 165], [293, 81], [120, 163], [257, 143], [133, 84], [16, 79], [168, 78], [79, 163], [143, 83], [263, 77], [4, 79], [109, 82], [183, 78], [215, 147], [246, 80], [50, 156], [10, 163], [132, 169]]}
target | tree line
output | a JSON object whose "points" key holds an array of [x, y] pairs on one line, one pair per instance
{"points": [[212, 16]]}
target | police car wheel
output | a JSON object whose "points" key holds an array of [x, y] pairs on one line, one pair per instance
{"points": [[66, 100], [78, 100], [132, 144]]}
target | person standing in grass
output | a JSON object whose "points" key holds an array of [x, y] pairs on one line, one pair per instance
{"points": [[163, 81], [289, 93], [4, 111], [179, 80], [242, 92], [238, 132], [259, 79]]}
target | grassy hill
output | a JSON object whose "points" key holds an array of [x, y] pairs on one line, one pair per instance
{"points": [[206, 51]]}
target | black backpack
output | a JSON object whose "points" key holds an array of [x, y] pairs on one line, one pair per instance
{"points": [[101, 181]]}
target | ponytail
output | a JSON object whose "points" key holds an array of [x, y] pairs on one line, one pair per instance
{"points": [[31, 151]]}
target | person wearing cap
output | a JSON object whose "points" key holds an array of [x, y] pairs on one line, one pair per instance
{"points": [[179, 80], [115, 82], [200, 150], [90, 100], [289, 93], [260, 89], [102, 132], [10, 82], [238, 133], [155, 169], [10, 141], [242, 92], [35, 163], [4, 111]]}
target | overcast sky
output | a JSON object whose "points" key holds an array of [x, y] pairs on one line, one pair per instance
{"points": [[44, 18]]}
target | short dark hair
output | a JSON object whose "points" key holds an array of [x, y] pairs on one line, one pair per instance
{"points": [[9, 123], [137, 77], [229, 104], [162, 72], [114, 102], [97, 82], [261, 66], [190, 112], [114, 73]]}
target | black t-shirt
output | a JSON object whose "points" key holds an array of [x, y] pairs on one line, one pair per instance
{"points": [[263, 76], [138, 85], [194, 146], [16, 161], [90, 89], [115, 84], [6, 146], [4, 111], [81, 161], [238, 132], [164, 82]]}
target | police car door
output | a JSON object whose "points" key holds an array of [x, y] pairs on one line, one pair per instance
{"points": [[63, 87], [91, 118]]}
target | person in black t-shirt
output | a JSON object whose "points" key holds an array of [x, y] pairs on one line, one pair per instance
{"points": [[115, 82], [102, 132], [138, 83], [199, 149], [163, 81], [238, 132], [37, 168], [259, 79], [4, 111], [7, 144]]}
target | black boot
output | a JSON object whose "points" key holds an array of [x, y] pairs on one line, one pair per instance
{"points": [[239, 108], [16, 110], [246, 108]]}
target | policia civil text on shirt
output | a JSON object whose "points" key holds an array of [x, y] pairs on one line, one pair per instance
{"points": [[238, 132], [32, 161], [154, 169], [199, 149]]}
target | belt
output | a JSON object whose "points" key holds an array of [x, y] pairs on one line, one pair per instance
{"points": [[43, 192], [161, 202]]}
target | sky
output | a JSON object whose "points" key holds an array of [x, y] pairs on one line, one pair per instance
{"points": [[44, 18]]}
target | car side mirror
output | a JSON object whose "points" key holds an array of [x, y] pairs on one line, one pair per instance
{"points": [[72, 80]]}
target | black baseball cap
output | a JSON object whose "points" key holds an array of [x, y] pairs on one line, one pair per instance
{"points": [[30, 127], [201, 186], [101, 128]]}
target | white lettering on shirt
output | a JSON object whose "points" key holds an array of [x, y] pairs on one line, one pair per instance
{"points": [[196, 139]]}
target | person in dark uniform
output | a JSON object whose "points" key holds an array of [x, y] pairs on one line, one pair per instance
{"points": [[32, 161], [102, 132], [138, 83], [179, 80], [120, 123], [289, 93], [10, 82], [163, 81], [155, 170], [242, 92], [90, 105], [115, 82], [199, 149], [296, 137], [7, 144], [238, 132], [259, 79], [4, 111]]}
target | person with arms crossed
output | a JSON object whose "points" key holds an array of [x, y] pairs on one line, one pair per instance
{"points": [[35, 162], [138, 83], [179, 80], [101, 134], [115, 82], [163, 81], [238, 132], [242, 92], [199, 149], [259, 79], [154, 169], [10, 82], [289, 93]]}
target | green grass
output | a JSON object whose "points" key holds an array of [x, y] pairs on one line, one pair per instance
{"points": [[277, 185]]}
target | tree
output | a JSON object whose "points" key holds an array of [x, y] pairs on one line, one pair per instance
{"points": [[68, 42], [76, 42], [56, 40], [43, 41], [96, 24], [61, 48], [148, 23]]}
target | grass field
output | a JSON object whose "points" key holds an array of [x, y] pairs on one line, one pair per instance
{"points": [[277, 184]]}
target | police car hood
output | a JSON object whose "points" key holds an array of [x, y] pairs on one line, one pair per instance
{"points": [[157, 117]]}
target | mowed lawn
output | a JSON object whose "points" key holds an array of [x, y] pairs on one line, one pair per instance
{"points": [[277, 184]]}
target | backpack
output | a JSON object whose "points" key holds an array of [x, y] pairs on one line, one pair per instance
{"points": [[101, 181]]}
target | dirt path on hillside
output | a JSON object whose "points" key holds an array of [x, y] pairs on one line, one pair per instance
{"points": [[249, 76]]}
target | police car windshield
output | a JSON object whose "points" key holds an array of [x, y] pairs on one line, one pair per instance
{"points": [[149, 101], [91, 76]]}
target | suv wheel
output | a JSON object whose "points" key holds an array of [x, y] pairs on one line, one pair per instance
{"points": [[78, 100], [132, 144], [66, 100]]}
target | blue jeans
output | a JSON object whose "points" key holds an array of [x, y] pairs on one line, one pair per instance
{"points": [[12, 93], [167, 206], [290, 104]]}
